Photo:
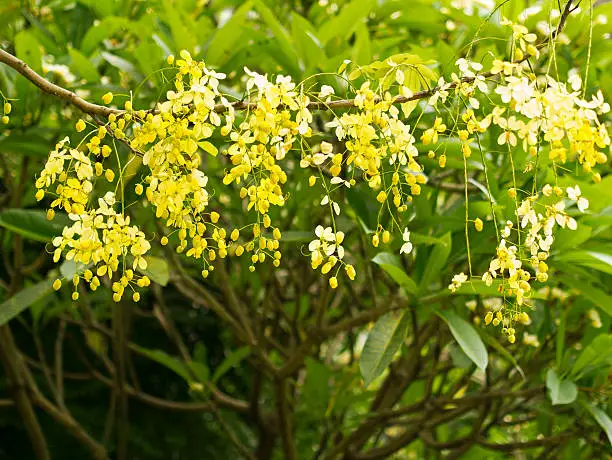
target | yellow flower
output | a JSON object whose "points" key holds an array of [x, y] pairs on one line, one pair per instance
{"points": [[333, 282], [80, 125], [107, 98], [57, 284]]}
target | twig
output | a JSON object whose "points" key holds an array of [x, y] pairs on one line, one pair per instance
{"points": [[53, 89], [59, 364]]}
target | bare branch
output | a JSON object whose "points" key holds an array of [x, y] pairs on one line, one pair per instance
{"points": [[53, 89]]}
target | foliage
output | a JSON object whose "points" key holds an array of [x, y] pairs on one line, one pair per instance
{"points": [[323, 230]]}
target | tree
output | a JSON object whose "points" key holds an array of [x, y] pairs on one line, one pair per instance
{"points": [[351, 230]]}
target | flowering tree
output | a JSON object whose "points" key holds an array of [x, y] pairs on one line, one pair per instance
{"points": [[357, 235]]}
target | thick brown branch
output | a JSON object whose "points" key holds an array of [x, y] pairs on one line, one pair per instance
{"points": [[53, 89]]}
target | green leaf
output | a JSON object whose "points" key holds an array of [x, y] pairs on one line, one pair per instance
{"points": [[25, 144], [24, 299], [592, 259], [296, 236], [384, 340], [224, 42], [229, 362], [344, 24], [178, 26], [436, 262], [560, 391], [33, 223], [501, 349], [391, 264], [157, 270], [163, 358], [101, 31], [281, 35], [308, 46], [83, 66], [362, 51], [602, 418], [569, 239], [28, 49], [121, 64], [419, 238], [467, 337], [199, 370], [597, 354], [600, 298]]}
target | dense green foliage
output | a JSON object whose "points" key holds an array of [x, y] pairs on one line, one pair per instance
{"points": [[275, 363]]}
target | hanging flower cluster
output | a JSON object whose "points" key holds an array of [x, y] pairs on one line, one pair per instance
{"points": [[369, 143], [541, 115]]}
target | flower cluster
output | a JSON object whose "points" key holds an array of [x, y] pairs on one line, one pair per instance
{"points": [[537, 116], [102, 239], [326, 252], [369, 144]]}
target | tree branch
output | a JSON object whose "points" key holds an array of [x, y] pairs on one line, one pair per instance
{"points": [[100, 110], [53, 89]]}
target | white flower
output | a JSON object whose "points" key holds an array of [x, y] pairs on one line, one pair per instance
{"points": [[505, 92], [336, 207], [531, 340], [326, 234], [326, 91], [407, 246], [457, 281], [573, 193], [574, 79]]}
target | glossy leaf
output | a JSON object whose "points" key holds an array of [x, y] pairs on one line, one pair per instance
{"points": [[351, 15], [33, 223], [391, 264], [560, 391], [436, 262], [467, 337], [174, 364], [595, 355], [157, 270], [384, 340], [228, 363], [603, 419], [24, 299]]}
